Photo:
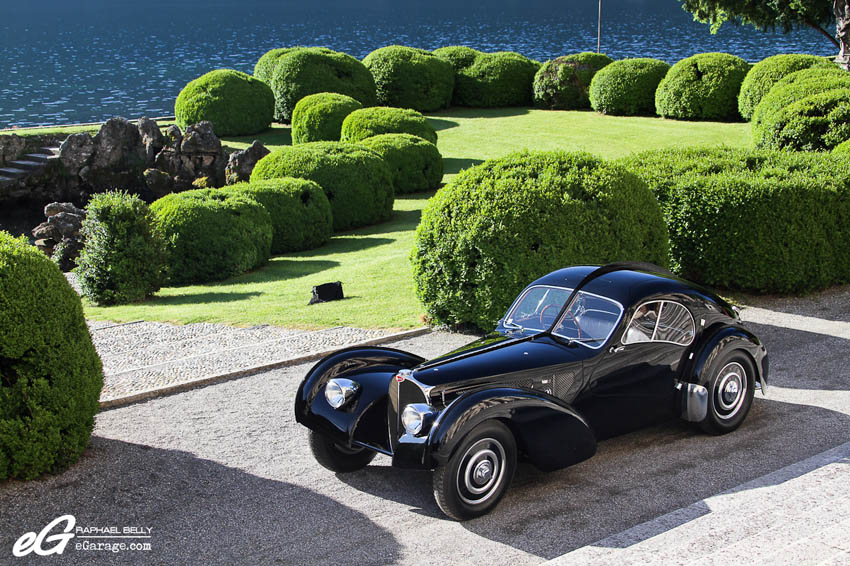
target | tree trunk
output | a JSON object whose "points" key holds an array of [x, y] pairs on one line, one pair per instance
{"points": [[841, 9]]}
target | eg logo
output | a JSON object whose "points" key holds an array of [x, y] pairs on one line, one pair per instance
{"points": [[32, 542]]}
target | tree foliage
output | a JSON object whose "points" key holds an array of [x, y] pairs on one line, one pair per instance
{"points": [[786, 15]]}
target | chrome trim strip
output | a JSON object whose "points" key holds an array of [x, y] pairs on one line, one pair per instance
{"points": [[694, 401]]}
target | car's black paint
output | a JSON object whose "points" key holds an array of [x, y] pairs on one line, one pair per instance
{"points": [[558, 397]]}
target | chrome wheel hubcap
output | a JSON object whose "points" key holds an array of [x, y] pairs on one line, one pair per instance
{"points": [[481, 471], [730, 391]]}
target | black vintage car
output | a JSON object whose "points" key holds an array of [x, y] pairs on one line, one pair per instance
{"points": [[584, 353]]}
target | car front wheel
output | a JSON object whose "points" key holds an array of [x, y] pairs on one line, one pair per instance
{"points": [[336, 457], [478, 474], [730, 392]]}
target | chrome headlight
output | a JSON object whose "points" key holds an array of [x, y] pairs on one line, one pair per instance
{"points": [[416, 418], [339, 391]]}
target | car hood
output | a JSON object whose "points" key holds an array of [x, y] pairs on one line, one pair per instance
{"points": [[497, 354]]}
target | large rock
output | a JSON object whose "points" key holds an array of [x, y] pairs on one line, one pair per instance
{"points": [[200, 139], [196, 153], [118, 159], [159, 183], [75, 152], [241, 163], [152, 139], [55, 208], [59, 237]]}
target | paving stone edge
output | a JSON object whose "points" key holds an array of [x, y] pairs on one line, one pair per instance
{"points": [[156, 392]]}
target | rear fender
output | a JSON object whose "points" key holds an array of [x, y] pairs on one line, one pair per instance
{"points": [[549, 432], [373, 368]]}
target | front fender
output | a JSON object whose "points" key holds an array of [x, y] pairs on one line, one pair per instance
{"points": [[364, 416], [550, 433]]}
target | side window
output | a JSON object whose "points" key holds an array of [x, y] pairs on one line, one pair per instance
{"points": [[642, 326], [661, 321], [676, 324]]}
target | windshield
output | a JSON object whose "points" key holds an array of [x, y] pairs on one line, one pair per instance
{"points": [[589, 321]]}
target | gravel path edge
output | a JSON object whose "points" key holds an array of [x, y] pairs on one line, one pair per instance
{"points": [[156, 392]]}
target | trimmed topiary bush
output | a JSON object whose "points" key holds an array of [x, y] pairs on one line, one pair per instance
{"points": [[318, 117], [415, 164], [123, 259], [487, 80], [842, 148], [702, 87], [50, 374], [627, 87], [507, 221], [237, 104], [300, 212], [764, 74], [760, 221], [817, 122], [212, 234], [264, 67], [562, 83], [355, 179], [368, 122], [791, 89], [411, 78], [310, 70]]}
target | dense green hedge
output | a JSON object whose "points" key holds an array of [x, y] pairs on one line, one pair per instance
{"points": [[562, 83], [842, 148], [318, 117], [762, 221], [264, 67], [310, 70], [415, 164], [764, 74], [486, 80], [501, 224], [124, 257], [355, 179], [789, 90], [702, 87], [237, 104], [411, 78], [300, 212], [368, 122], [814, 123], [212, 234], [627, 87], [50, 374]]}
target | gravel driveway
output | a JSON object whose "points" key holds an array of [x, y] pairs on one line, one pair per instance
{"points": [[223, 475]]}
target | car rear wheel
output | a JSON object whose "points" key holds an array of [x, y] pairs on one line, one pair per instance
{"points": [[478, 473], [730, 392], [336, 457]]}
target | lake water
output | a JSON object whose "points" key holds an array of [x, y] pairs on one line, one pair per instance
{"points": [[80, 61]]}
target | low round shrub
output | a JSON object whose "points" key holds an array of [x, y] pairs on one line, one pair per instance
{"points": [[753, 220], [310, 70], [487, 80], [50, 374], [265, 65], [237, 104], [318, 117], [416, 165], [368, 122], [123, 259], [791, 89], [212, 234], [702, 87], [411, 78], [300, 212], [562, 83], [507, 221], [355, 179], [627, 87], [817, 122], [764, 74]]}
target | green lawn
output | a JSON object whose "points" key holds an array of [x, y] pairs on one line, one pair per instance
{"points": [[372, 263]]}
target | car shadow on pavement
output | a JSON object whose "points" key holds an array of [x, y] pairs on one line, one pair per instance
{"points": [[200, 512]]}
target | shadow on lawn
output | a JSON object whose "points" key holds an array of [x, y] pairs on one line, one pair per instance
{"points": [[213, 297], [441, 124], [453, 165], [276, 135]]}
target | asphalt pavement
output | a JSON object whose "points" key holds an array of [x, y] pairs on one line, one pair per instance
{"points": [[223, 474]]}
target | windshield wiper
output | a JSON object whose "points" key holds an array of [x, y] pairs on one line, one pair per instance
{"points": [[510, 324]]}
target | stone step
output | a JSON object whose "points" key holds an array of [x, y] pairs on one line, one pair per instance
{"points": [[12, 172], [40, 157], [26, 164], [51, 150], [6, 179]]}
